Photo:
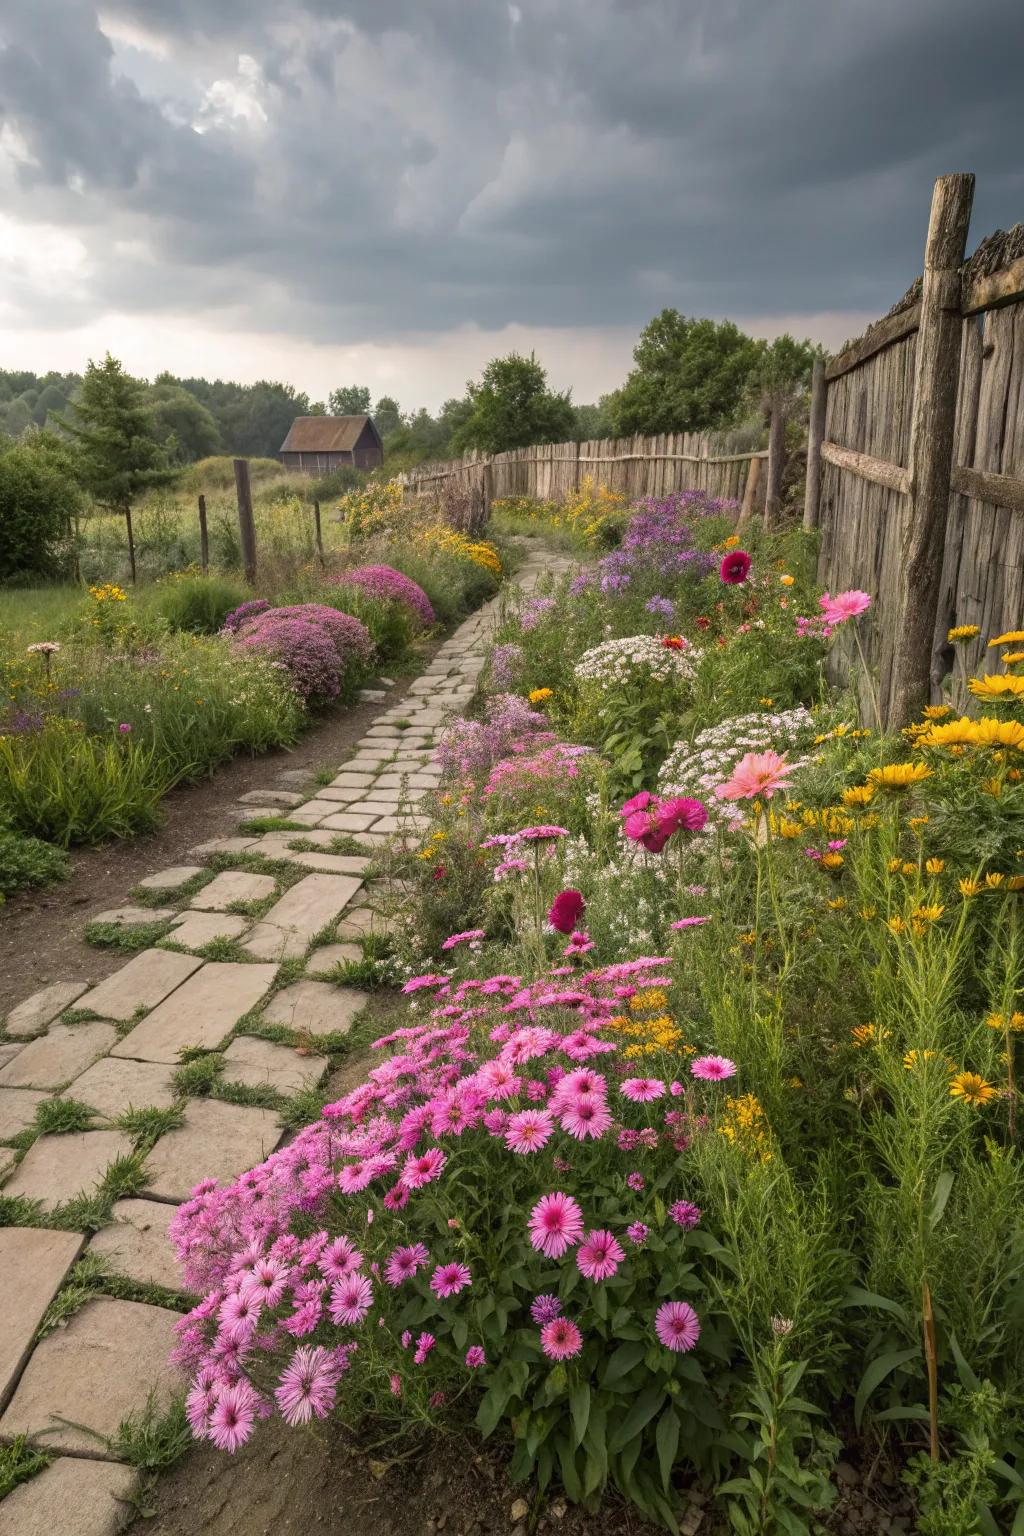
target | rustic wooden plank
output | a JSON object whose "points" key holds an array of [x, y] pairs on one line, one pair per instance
{"points": [[815, 438], [879, 471], [246, 524], [1003, 287], [999, 490], [882, 334]]}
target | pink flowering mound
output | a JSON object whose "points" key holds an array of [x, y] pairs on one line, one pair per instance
{"points": [[318, 646], [384, 581], [502, 1194]]}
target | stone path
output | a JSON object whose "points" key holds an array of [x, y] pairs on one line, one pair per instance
{"points": [[232, 994]]}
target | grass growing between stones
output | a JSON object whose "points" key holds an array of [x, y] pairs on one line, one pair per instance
{"points": [[129, 938], [146, 1126], [155, 1438], [175, 895], [93, 1276], [19, 1463], [83, 1212], [272, 824]]}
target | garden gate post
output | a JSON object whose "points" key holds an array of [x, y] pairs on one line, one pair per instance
{"points": [[936, 376], [815, 437], [204, 539], [246, 524]]}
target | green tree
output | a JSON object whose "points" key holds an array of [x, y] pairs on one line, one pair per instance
{"points": [[512, 407], [182, 425], [387, 417], [350, 400], [690, 375], [40, 501], [593, 421], [119, 455]]}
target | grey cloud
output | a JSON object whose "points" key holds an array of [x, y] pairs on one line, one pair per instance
{"points": [[428, 165]]}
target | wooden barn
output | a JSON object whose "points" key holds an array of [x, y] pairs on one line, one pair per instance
{"points": [[316, 444]]}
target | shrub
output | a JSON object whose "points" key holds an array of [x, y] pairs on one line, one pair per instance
{"points": [[25, 861], [385, 582], [39, 501], [322, 650], [199, 604]]}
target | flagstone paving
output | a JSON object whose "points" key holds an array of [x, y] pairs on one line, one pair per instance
{"points": [[123, 1054]]}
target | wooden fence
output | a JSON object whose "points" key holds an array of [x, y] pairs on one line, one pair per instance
{"points": [[916, 465], [636, 466]]}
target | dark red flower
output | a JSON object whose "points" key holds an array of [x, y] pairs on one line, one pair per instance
{"points": [[673, 642], [735, 567], [702, 622], [566, 911]]}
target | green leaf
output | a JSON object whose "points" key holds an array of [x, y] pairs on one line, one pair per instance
{"points": [[881, 1367], [579, 1405], [641, 1413], [856, 1297], [622, 1361], [943, 1185], [492, 1407], [666, 1438], [967, 1376], [916, 1411]]}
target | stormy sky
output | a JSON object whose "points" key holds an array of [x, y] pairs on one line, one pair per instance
{"points": [[391, 191]]}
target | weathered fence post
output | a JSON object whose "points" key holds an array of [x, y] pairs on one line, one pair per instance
{"points": [[131, 540], [776, 464], [936, 374], [750, 490], [204, 538], [246, 524], [815, 438], [318, 533]]}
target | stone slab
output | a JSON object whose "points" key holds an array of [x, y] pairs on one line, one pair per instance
{"points": [[29, 1017], [314, 810], [197, 929], [261, 1064], [170, 879], [200, 1013], [113, 1086], [217, 1141], [230, 886], [71, 1497], [142, 983], [302, 912], [347, 780], [247, 813], [17, 1110], [223, 845], [401, 824], [33, 1263], [340, 797], [331, 863], [133, 917], [58, 1057], [316, 1008], [95, 1372], [136, 1243], [323, 960], [9, 1050], [56, 1168], [270, 797], [345, 821], [388, 803], [274, 845]]}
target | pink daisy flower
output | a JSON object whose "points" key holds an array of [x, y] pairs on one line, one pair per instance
{"points": [[637, 1233], [599, 1256], [529, 1130], [641, 1090], [404, 1263], [556, 1223], [560, 1339], [339, 1259], [424, 1344], [395, 1383], [268, 1281], [845, 605], [350, 1300], [471, 936], [417, 1171], [586, 1117], [677, 1326], [684, 1213], [712, 1069], [544, 1309], [307, 1386], [449, 1279], [233, 1416], [354, 1177]]}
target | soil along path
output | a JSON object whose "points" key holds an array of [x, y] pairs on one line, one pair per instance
{"points": [[233, 943]]}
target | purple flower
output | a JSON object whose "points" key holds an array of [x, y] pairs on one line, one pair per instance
{"points": [[384, 581]]}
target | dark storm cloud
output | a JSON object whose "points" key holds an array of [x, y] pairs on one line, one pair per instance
{"points": [[373, 167]]}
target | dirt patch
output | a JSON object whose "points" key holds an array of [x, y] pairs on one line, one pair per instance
{"points": [[41, 931]]}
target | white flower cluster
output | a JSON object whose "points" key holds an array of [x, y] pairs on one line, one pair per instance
{"points": [[695, 768], [616, 661]]}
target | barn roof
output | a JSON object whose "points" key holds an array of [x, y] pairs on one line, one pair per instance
{"points": [[324, 434]]}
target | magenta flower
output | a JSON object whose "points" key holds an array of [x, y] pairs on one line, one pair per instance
{"points": [[560, 1339], [529, 1130], [350, 1300], [635, 1181], [637, 1233], [354, 1177], [541, 834], [475, 1357], [417, 1171], [395, 1383], [124, 728], [556, 1223], [681, 814], [449, 1279], [307, 1386], [684, 1213], [233, 1416], [471, 936], [544, 1309], [424, 1344], [735, 567], [712, 1069], [404, 1263], [586, 1118], [566, 911], [641, 1090], [690, 922], [599, 1256], [677, 1326]]}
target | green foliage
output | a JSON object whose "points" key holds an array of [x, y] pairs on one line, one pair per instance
{"points": [[512, 407], [199, 605], [40, 501], [690, 375], [182, 426], [67, 787], [19, 1463], [349, 400], [129, 938], [26, 861], [62, 1117], [154, 1439], [387, 416], [118, 452], [197, 1077]]}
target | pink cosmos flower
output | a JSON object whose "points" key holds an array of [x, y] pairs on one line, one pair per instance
{"points": [[586, 1118], [566, 911], [845, 605], [556, 1223], [638, 802], [735, 567], [757, 775], [417, 1171], [350, 1300], [541, 834], [449, 1279], [712, 1069], [685, 1214], [475, 1357], [641, 1090], [404, 1263], [560, 1339], [529, 1130], [681, 814], [307, 1386], [690, 922], [599, 1256], [544, 1309], [677, 1326], [580, 943], [233, 1416]]}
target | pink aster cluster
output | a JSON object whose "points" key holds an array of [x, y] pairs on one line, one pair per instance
{"points": [[525, 774], [315, 644], [651, 821], [512, 729], [385, 582]]}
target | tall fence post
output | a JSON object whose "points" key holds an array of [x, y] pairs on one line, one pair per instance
{"points": [[750, 490], [936, 374], [815, 438], [776, 464], [318, 532], [204, 538], [246, 524]]}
